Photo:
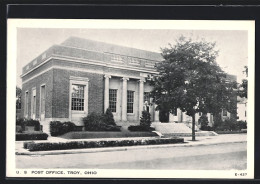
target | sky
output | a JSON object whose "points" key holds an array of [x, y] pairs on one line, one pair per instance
{"points": [[232, 45]]}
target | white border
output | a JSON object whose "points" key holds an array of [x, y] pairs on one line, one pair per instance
{"points": [[13, 24]]}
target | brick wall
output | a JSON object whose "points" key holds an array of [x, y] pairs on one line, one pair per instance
{"points": [[47, 79], [61, 99]]}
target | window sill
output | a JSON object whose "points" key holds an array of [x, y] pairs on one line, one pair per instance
{"points": [[78, 112]]}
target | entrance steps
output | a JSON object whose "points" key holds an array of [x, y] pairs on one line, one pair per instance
{"points": [[179, 130], [166, 128]]}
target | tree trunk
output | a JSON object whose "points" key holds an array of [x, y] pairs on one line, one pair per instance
{"points": [[193, 127]]}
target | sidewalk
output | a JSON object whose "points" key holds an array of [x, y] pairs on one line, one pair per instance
{"points": [[200, 141]]}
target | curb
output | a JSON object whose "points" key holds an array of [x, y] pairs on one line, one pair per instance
{"points": [[95, 150]]}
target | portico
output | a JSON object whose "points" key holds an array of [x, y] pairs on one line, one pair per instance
{"points": [[124, 95]]}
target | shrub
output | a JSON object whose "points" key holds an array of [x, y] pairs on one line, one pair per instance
{"points": [[108, 118], [203, 121], [58, 128], [96, 122], [93, 122], [229, 125], [145, 120], [44, 146], [28, 122], [31, 136], [242, 124], [140, 128]]}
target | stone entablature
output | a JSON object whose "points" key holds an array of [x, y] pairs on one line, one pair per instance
{"points": [[95, 57]]}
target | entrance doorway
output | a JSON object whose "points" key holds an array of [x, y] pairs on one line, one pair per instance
{"points": [[164, 116]]}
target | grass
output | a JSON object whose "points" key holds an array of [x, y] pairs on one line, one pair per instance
{"points": [[92, 135]]}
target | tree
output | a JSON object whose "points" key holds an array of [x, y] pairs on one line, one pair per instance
{"points": [[18, 97], [190, 79], [243, 87]]}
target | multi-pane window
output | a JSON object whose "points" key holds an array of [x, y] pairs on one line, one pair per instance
{"points": [[147, 97], [77, 100], [42, 99], [130, 101], [224, 112], [33, 102], [26, 103], [112, 99]]}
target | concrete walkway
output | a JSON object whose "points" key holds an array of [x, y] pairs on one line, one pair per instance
{"points": [[200, 141]]}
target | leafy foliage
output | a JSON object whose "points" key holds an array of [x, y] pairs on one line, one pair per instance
{"points": [[243, 87], [98, 122], [57, 128], [140, 128], [203, 121], [28, 122], [190, 79], [229, 125], [109, 118], [18, 97], [44, 146], [145, 120], [31, 136]]}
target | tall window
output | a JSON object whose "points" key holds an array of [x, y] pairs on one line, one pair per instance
{"points": [[147, 97], [33, 103], [77, 101], [112, 99], [26, 108], [130, 101], [42, 99]]}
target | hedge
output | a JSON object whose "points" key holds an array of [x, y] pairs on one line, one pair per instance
{"points": [[140, 128], [28, 122], [31, 136], [32, 146], [58, 128]]}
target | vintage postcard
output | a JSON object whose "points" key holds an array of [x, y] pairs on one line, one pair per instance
{"points": [[130, 98]]}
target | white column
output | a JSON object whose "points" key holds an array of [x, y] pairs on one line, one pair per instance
{"points": [[141, 96], [106, 98], [156, 114], [171, 118], [124, 99], [179, 114]]}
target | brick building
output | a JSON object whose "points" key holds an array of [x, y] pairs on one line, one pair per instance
{"points": [[79, 76]]}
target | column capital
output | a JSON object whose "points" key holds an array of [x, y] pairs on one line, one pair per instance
{"points": [[142, 80], [107, 76], [125, 78]]}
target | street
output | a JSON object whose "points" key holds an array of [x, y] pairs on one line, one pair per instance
{"points": [[203, 157]]}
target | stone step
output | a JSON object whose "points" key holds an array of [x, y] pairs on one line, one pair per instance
{"points": [[166, 128]]}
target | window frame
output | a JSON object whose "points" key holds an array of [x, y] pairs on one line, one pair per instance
{"points": [[133, 97], [80, 98], [26, 104], [33, 103], [110, 101], [78, 81], [40, 103]]}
